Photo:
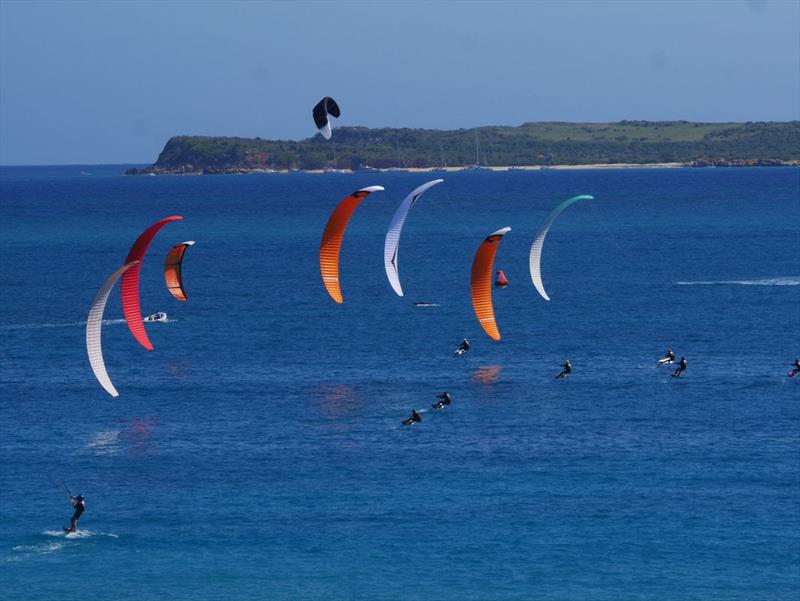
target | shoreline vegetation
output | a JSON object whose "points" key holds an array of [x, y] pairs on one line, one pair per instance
{"points": [[529, 147]]}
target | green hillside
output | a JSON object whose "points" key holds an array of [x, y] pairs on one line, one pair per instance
{"points": [[550, 143]]}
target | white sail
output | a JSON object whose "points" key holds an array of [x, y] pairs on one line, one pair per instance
{"points": [[93, 326], [392, 244], [325, 130], [535, 259]]}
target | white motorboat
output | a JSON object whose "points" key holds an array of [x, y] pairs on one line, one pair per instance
{"points": [[160, 316]]}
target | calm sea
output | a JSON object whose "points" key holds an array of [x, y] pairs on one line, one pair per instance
{"points": [[257, 453]]}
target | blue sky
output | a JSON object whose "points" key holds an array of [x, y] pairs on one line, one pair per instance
{"points": [[110, 82]]}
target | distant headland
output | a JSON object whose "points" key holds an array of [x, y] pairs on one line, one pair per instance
{"points": [[545, 145]]}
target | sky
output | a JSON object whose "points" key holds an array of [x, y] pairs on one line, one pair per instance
{"points": [[111, 82]]}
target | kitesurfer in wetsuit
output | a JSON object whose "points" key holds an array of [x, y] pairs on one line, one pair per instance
{"points": [[463, 347], [564, 372], [796, 370], [413, 418], [79, 503], [446, 400], [669, 357], [681, 368]]}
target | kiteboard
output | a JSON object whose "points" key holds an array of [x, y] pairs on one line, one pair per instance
{"points": [[792, 373], [666, 361]]}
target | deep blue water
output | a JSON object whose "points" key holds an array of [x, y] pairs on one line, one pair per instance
{"points": [[257, 453]]}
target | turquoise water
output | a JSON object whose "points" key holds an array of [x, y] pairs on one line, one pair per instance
{"points": [[257, 453]]}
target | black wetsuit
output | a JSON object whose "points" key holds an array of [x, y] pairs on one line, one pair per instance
{"points": [[413, 418], [463, 347], [796, 370], [668, 358], [446, 400], [79, 503], [564, 372], [681, 368]]}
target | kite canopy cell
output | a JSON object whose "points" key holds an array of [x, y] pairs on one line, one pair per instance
{"points": [[481, 282], [131, 307], [331, 242], [173, 274], [535, 258], [324, 109], [392, 244], [94, 324]]}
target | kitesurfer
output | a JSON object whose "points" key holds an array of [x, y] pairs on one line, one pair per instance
{"points": [[669, 357], [446, 400], [681, 368], [79, 503], [564, 372], [796, 368], [463, 347], [413, 418]]}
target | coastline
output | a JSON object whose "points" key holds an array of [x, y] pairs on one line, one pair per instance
{"points": [[535, 146], [501, 168], [508, 168], [565, 167]]}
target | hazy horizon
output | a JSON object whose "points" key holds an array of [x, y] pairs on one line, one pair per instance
{"points": [[86, 83]]}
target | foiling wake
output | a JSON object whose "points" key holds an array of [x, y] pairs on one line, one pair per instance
{"points": [[22, 552], [82, 533], [105, 443], [71, 324], [784, 281]]}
